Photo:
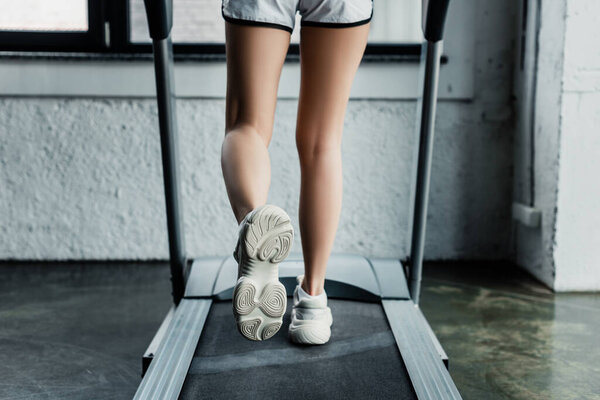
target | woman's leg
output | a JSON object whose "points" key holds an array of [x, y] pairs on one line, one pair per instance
{"points": [[329, 59], [255, 56]]}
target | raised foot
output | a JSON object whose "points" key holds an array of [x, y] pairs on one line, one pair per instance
{"points": [[269, 234], [259, 299]]}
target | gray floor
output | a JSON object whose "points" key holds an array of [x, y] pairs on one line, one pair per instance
{"points": [[77, 331]]}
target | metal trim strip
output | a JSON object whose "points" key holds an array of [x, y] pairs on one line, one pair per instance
{"points": [[166, 374], [428, 374]]}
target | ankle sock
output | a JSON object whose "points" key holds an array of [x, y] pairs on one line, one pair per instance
{"points": [[303, 294]]}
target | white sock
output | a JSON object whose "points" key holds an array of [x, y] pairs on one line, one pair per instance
{"points": [[302, 294]]}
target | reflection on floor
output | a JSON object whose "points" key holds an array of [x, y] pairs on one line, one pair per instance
{"points": [[508, 337], [77, 331]]}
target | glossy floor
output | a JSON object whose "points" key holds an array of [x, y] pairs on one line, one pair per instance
{"points": [[508, 337], [77, 331]]}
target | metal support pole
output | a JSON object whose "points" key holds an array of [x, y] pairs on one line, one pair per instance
{"points": [[165, 95], [433, 51]]}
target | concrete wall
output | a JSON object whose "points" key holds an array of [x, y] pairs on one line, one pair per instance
{"points": [[81, 178], [537, 136], [554, 162], [578, 218]]}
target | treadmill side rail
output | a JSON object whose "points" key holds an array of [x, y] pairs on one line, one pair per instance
{"points": [[428, 374], [434, 339], [155, 343], [166, 374]]}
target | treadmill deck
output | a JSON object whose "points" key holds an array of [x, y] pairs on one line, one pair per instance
{"points": [[361, 360]]}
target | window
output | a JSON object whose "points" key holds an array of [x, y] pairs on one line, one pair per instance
{"points": [[57, 25], [106, 32], [199, 21], [119, 26], [194, 21], [39, 15]]}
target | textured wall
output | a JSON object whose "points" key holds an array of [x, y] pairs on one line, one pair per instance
{"points": [[534, 246], [81, 178], [578, 203], [562, 252]]}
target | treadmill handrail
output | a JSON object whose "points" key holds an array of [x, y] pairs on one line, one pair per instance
{"points": [[434, 15], [160, 21], [434, 18], [160, 18]]}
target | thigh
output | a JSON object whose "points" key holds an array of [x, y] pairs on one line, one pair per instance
{"points": [[329, 60], [255, 56]]}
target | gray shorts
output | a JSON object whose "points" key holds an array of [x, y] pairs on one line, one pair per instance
{"points": [[282, 13]]}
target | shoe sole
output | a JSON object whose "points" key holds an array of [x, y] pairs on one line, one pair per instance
{"points": [[259, 299], [315, 335]]}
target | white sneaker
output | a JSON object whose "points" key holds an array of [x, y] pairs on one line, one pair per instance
{"points": [[311, 318], [259, 299]]}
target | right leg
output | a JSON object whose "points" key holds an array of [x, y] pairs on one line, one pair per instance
{"points": [[329, 59], [255, 57]]}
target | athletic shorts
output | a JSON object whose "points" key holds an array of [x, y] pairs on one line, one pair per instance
{"points": [[282, 13]]}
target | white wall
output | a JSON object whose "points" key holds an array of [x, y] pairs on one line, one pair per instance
{"points": [[563, 155], [578, 205], [81, 179], [537, 136]]}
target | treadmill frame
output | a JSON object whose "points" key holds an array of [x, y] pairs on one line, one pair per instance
{"points": [[374, 280], [349, 276]]}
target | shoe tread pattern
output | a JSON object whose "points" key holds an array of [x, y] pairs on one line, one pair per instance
{"points": [[270, 234], [259, 302]]}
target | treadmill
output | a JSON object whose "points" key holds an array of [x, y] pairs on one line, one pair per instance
{"points": [[381, 344]]}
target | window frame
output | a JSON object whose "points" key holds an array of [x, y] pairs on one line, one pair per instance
{"points": [[108, 37]]}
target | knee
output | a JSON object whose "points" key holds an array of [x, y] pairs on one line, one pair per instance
{"points": [[311, 151]]}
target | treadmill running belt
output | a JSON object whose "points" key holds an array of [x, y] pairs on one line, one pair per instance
{"points": [[361, 360]]}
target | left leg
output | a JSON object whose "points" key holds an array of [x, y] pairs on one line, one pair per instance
{"points": [[255, 57]]}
